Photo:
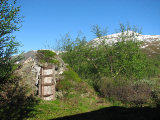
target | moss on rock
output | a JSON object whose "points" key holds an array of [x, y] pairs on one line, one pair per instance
{"points": [[47, 56]]}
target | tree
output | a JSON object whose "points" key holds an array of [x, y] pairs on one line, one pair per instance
{"points": [[9, 22], [98, 31], [123, 58], [15, 103]]}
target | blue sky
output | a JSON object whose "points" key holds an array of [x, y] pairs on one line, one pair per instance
{"points": [[48, 20]]}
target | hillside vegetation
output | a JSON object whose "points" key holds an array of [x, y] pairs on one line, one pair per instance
{"points": [[118, 80], [98, 76], [121, 71], [73, 96]]}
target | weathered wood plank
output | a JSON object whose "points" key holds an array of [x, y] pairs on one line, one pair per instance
{"points": [[47, 84], [48, 72], [47, 75], [48, 79], [47, 95], [47, 67]]}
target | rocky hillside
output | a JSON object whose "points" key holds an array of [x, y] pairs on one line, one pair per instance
{"points": [[151, 43], [115, 37]]}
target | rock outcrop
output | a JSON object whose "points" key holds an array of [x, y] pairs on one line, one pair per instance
{"points": [[113, 38], [41, 77]]}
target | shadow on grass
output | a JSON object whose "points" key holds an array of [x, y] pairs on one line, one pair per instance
{"points": [[116, 113]]}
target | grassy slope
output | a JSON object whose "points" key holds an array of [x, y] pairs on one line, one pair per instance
{"points": [[60, 108], [78, 97]]}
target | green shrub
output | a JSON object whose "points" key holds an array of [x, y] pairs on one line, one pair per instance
{"points": [[135, 94], [15, 102], [71, 75], [156, 98], [72, 85], [64, 85], [154, 85], [69, 81]]}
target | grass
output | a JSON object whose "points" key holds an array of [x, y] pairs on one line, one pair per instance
{"points": [[78, 97], [68, 106]]}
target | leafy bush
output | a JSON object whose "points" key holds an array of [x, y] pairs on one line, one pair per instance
{"points": [[71, 75], [71, 83], [15, 103], [136, 94]]}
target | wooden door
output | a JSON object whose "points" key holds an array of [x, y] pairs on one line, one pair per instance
{"points": [[47, 83]]}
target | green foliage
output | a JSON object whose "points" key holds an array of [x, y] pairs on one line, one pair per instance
{"points": [[123, 58], [9, 22], [78, 97], [71, 75], [70, 81], [47, 56], [46, 53], [15, 103], [138, 93], [128, 60], [98, 31], [121, 63]]}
